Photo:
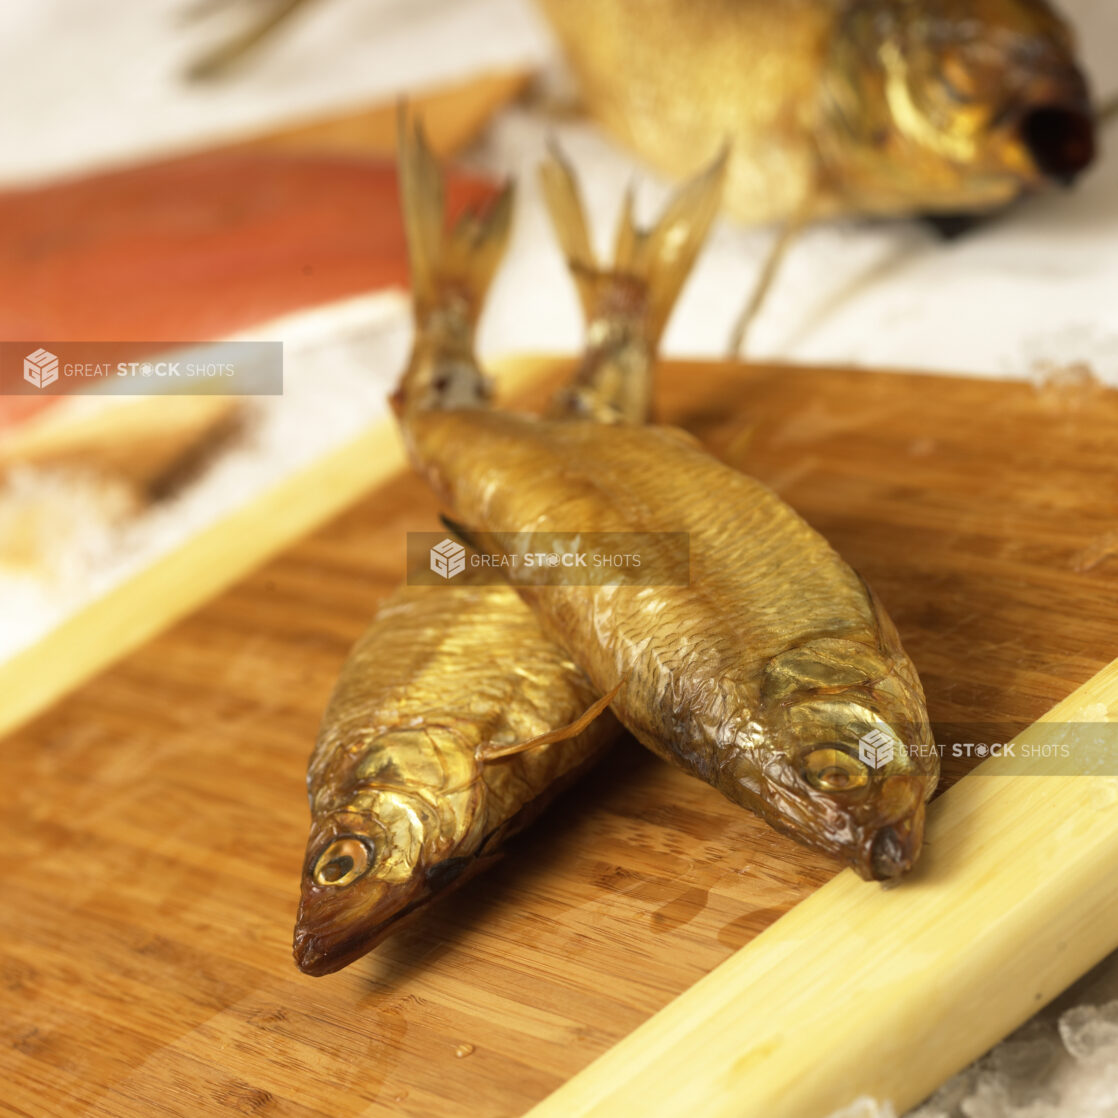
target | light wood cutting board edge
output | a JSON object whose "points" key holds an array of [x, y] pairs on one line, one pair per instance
{"points": [[176, 584], [864, 991]]}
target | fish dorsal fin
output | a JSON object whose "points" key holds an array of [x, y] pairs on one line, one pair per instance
{"points": [[563, 733]]}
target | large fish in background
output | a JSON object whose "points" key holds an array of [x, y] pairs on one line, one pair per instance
{"points": [[832, 107]]}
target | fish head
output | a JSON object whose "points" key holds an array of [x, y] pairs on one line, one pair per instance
{"points": [[847, 759], [1002, 76], [967, 104], [379, 846], [357, 880]]}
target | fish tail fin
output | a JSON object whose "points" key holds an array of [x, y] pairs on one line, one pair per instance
{"points": [[628, 304], [664, 255], [568, 218], [451, 269]]}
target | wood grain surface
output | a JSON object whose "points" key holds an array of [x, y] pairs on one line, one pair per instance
{"points": [[154, 820]]}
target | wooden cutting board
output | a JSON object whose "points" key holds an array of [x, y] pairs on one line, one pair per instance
{"points": [[154, 819]]}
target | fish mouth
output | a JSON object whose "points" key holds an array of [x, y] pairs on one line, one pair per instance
{"points": [[1060, 140], [893, 849], [317, 955], [336, 926]]}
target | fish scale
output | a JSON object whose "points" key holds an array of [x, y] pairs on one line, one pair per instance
{"points": [[407, 670]]}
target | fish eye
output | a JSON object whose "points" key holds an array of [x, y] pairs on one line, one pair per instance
{"points": [[343, 861], [831, 768]]}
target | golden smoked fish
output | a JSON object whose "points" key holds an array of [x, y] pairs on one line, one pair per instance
{"points": [[771, 672], [454, 720], [763, 676], [878, 107]]}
